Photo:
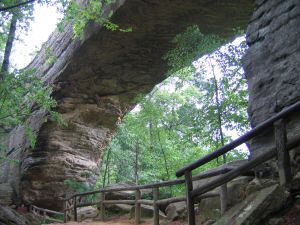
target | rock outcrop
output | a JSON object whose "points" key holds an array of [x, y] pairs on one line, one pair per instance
{"points": [[272, 66], [255, 207], [96, 81], [10, 217]]}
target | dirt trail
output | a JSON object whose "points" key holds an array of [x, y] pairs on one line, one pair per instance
{"points": [[120, 221], [115, 221]]}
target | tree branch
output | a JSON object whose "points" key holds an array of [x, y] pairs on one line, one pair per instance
{"points": [[3, 9]]}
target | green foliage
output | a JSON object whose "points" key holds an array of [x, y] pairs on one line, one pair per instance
{"points": [[76, 186], [50, 57], [57, 217], [82, 14], [20, 92], [189, 46]]}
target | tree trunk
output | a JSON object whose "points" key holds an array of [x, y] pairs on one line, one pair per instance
{"points": [[223, 190], [136, 166], [9, 44], [106, 167], [219, 110]]}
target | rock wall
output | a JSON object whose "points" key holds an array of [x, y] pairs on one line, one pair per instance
{"points": [[96, 81], [272, 66]]}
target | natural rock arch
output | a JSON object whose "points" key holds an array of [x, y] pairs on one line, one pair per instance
{"points": [[97, 79]]}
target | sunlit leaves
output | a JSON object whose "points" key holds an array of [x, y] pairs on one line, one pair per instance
{"points": [[20, 92], [189, 46]]}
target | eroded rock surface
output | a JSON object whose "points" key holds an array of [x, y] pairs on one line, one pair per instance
{"points": [[9, 216], [95, 82], [255, 207], [272, 66]]}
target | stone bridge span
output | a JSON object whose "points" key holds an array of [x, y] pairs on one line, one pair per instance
{"points": [[96, 81]]}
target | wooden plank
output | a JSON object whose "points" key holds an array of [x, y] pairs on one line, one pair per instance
{"points": [[226, 148], [207, 195], [170, 200], [137, 207], [189, 198], [48, 210], [155, 206], [267, 155], [283, 157]]}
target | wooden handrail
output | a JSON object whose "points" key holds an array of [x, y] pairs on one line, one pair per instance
{"points": [[76, 197], [47, 210], [228, 173], [44, 213], [267, 155], [247, 136], [200, 176]]}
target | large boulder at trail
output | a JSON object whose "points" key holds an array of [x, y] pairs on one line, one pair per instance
{"points": [[125, 195], [210, 208], [119, 208], [120, 195], [255, 207], [9, 216], [146, 212], [176, 210], [87, 212]]}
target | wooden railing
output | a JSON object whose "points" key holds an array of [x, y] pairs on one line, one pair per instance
{"points": [[84, 199], [46, 214], [280, 149]]}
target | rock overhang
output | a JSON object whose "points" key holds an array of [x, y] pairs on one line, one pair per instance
{"points": [[96, 81]]}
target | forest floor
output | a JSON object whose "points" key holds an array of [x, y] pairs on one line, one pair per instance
{"points": [[292, 216]]}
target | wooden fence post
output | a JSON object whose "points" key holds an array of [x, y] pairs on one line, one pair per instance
{"points": [[102, 206], [283, 157], [223, 198], [137, 207], [75, 208], [189, 198], [155, 206]]}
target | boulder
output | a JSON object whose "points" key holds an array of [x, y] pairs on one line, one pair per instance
{"points": [[119, 208], [176, 210], [256, 207], [209, 208], [146, 212], [120, 195], [258, 184], [9, 216], [87, 212]]}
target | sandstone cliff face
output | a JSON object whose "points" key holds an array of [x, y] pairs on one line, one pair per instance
{"points": [[272, 64], [96, 81]]}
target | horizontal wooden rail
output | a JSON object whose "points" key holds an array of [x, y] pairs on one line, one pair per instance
{"points": [[267, 155], [204, 175], [47, 210], [44, 213], [226, 148]]}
